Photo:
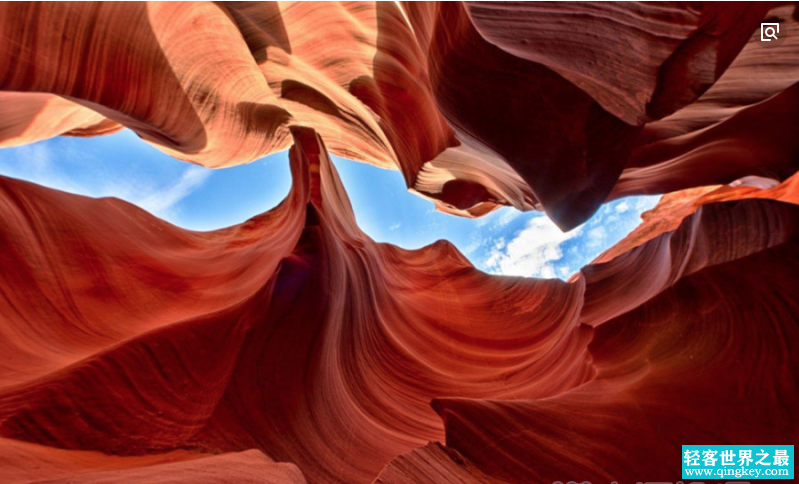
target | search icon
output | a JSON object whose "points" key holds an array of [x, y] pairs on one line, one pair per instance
{"points": [[769, 31]]}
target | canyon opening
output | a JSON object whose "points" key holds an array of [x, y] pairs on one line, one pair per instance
{"points": [[398, 242]]}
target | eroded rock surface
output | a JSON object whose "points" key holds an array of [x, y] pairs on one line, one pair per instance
{"points": [[292, 348], [532, 105]]}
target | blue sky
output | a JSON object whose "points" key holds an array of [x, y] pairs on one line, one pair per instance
{"points": [[504, 242]]}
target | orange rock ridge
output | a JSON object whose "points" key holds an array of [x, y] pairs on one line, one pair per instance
{"points": [[292, 348], [440, 91]]}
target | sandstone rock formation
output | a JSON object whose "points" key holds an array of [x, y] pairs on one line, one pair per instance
{"points": [[292, 348], [531, 105]]}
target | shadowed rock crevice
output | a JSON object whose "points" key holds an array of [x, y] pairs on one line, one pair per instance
{"points": [[476, 94], [292, 348]]}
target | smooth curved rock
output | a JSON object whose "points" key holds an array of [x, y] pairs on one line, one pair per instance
{"points": [[297, 335], [294, 348], [29, 463], [24, 115], [656, 57], [263, 348], [704, 361], [478, 105], [692, 315], [432, 464]]}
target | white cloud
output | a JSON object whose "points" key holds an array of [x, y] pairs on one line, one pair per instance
{"points": [[532, 252], [37, 157], [35, 163], [471, 247], [622, 207], [395, 226], [499, 218], [596, 236], [161, 201]]}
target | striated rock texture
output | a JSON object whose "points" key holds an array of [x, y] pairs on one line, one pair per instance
{"points": [[549, 106], [296, 335], [292, 348], [292, 333]]}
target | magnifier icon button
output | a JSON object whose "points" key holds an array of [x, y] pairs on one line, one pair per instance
{"points": [[769, 31]]}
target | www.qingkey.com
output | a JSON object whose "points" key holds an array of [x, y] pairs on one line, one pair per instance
{"points": [[737, 473], [708, 474]]}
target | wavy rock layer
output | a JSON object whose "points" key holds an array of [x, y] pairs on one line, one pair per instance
{"points": [[292, 348], [292, 333], [297, 335], [706, 359], [30, 463], [627, 98]]}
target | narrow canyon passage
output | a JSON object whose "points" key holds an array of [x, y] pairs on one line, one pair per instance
{"points": [[278, 339]]}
